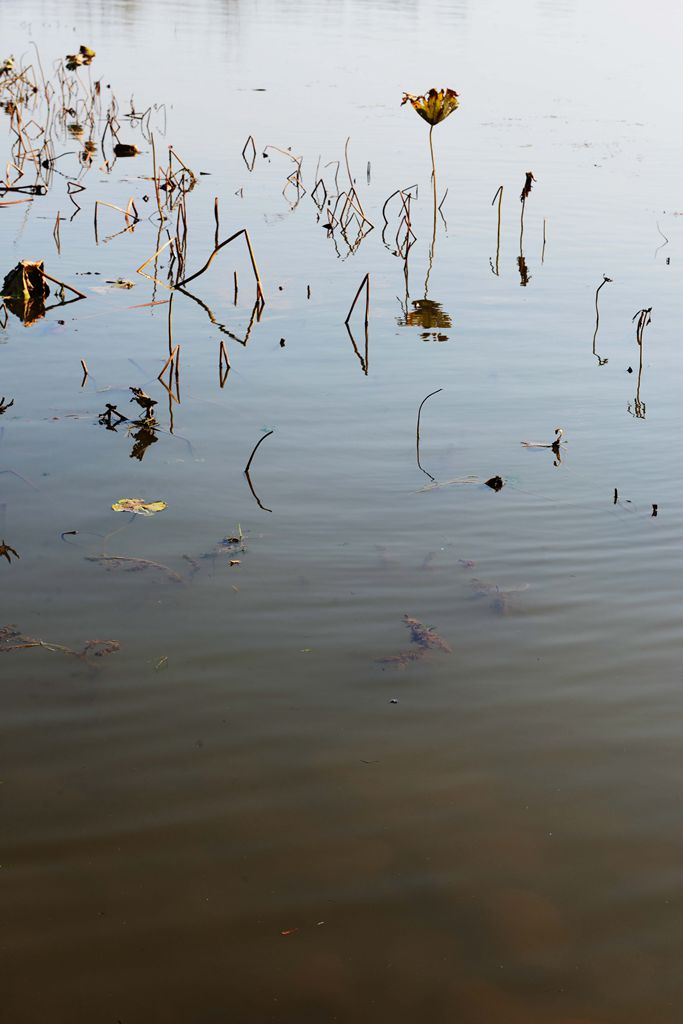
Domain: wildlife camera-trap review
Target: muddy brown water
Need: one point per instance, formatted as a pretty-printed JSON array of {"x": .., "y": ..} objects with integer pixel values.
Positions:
[{"x": 245, "y": 814}]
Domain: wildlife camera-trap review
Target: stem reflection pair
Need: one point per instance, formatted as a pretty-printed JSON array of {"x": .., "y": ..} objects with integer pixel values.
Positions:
[{"x": 434, "y": 107}]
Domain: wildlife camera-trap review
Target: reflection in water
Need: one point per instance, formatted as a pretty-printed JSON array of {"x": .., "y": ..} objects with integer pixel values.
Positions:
[
  {"x": 363, "y": 359},
  {"x": 430, "y": 316},
  {"x": 524, "y": 275},
  {"x": 145, "y": 435}
]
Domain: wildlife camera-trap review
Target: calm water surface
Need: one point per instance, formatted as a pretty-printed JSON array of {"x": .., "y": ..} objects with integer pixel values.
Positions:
[{"x": 244, "y": 814}]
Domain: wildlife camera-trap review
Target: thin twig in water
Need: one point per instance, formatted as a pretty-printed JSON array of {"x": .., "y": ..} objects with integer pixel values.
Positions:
[
  {"x": 243, "y": 231},
  {"x": 499, "y": 197},
  {"x": 246, "y": 470},
  {"x": 605, "y": 280},
  {"x": 417, "y": 432},
  {"x": 365, "y": 283}
]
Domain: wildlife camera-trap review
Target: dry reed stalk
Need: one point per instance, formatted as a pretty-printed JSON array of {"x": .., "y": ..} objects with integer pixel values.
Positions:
[
  {"x": 62, "y": 284},
  {"x": 141, "y": 268},
  {"x": 417, "y": 431},
  {"x": 246, "y": 471},
  {"x": 260, "y": 298},
  {"x": 223, "y": 364},
  {"x": 126, "y": 214},
  {"x": 365, "y": 283},
  {"x": 499, "y": 197},
  {"x": 249, "y": 162}
]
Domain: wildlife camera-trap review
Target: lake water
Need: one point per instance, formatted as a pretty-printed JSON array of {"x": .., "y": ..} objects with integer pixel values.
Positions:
[{"x": 250, "y": 812}]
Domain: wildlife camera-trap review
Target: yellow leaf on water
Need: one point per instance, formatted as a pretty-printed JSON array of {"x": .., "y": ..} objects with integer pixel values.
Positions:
[{"x": 139, "y": 506}]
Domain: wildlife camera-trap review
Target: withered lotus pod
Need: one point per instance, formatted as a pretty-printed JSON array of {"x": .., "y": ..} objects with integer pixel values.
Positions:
[
  {"x": 435, "y": 106},
  {"x": 24, "y": 291}
]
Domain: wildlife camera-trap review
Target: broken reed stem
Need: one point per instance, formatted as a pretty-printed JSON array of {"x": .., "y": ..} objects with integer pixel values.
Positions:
[
  {"x": 417, "y": 431},
  {"x": 217, "y": 219},
  {"x": 543, "y": 249},
  {"x": 246, "y": 471},
  {"x": 235, "y": 284},
  {"x": 223, "y": 364},
  {"x": 126, "y": 212},
  {"x": 62, "y": 284},
  {"x": 605, "y": 280},
  {"x": 155, "y": 179},
  {"x": 172, "y": 359},
  {"x": 499, "y": 197},
  {"x": 56, "y": 234},
  {"x": 365, "y": 283},
  {"x": 141, "y": 268},
  {"x": 351, "y": 182},
  {"x": 255, "y": 449},
  {"x": 243, "y": 231}
]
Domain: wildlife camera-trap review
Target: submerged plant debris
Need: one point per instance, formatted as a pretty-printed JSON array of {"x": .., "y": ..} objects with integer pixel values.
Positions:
[
  {"x": 129, "y": 564},
  {"x": 12, "y": 639},
  {"x": 499, "y": 597},
  {"x": 423, "y": 638}
]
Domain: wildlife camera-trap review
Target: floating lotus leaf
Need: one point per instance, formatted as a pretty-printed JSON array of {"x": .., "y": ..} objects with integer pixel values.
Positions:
[
  {"x": 435, "y": 106},
  {"x": 139, "y": 506}
]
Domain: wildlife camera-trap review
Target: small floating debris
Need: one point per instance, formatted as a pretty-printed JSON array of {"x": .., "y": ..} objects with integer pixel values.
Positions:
[{"x": 121, "y": 282}]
